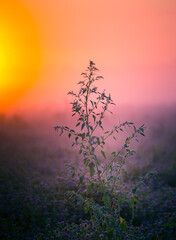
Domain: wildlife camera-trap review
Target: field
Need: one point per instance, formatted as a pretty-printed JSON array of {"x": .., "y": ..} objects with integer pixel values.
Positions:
[{"x": 34, "y": 182}]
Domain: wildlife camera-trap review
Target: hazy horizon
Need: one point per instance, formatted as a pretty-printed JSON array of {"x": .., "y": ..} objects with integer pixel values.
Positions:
[{"x": 46, "y": 45}]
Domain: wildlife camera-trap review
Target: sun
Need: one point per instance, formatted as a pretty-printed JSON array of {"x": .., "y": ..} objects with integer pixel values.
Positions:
[{"x": 19, "y": 51}]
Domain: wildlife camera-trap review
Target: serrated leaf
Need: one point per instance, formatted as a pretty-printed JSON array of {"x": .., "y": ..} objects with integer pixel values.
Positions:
[
  {"x": 141, "y": 129},
  {"x": 106, "y": 199},
  {"x": 92, "y": 103},
  {"x": 86, "y": 161},
  {"x": 99, "y": 188},
  {"x": 98, "y": 164},
  {"x": 83, "y": 125},
  {"x": 91, "y": 128},
  {"x": 103, "y": 153},
  {"x": 91, "y": 169},
  {"x": 82, "y": 135},
  {"x": 81, "y": 82},
  {"x": 81, "y": 179},
  {"x": 113, "y": 153},
  {"x": 106, "y": 132},
  {"x": 89, "y": 188},
  {"x": 98, "y": 140},
  {"x": 77, "y": 124},
  {"x": 80, "y": 119}
]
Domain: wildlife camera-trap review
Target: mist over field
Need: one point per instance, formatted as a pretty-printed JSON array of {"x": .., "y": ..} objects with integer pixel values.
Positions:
[
  {"x": 36, "y": 131},
  {"x": 34, "y": 180}
]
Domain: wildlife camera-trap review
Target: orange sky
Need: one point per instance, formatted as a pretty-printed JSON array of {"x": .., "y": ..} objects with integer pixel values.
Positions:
[{"x": 132, "y": 42}]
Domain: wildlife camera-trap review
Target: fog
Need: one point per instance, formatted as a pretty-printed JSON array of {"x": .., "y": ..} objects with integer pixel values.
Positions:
[{"x": 34, "y": 134}]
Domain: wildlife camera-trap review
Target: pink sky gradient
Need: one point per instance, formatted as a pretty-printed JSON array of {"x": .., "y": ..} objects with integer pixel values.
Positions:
[{"x": 132, "y": 42}]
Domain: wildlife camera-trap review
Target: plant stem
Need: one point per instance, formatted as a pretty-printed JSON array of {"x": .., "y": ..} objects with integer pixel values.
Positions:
[{"x": 88, "y": 128}]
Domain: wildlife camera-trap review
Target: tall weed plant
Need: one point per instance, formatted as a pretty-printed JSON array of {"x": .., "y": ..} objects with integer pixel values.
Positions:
[{"x": 101, "y": 188}]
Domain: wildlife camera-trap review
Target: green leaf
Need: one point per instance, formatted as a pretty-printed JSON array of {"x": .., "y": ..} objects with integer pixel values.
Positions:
[
  {"x": 69, "y": 135},
  {"x": 82, "y": 126},
  {"x": 141, "y": 129},
  {"x": 98, "y": 140},
  {"x": 81, "y": 82},
  {"x": 94, "y": 118},
  {"x": 81, "y": 179},
  {"x": 91, "y": 128},
  {"x": 135, "y": 199},
  {"x": 123, "y": 226},
  {"x": 106, "y": 199},
  {"x": 98, "y": 164},
  {"x": 103, "y": 153},
  {"x": 89, "y": 188},
  {"x": 91, "y": 168},
  {"x": 86, "y": 208},
  {"x": 80, "y": 119},
  {"x": 134, "y": 190},
  {"x": 77, "y": 124},
  {"x": 99, "y": 188},
  {"x": 113, "y": 153},
  {"x": 86, "y": 161},
  {"x": 82, "y": 135},
  {"x": 92, "y": 103}
]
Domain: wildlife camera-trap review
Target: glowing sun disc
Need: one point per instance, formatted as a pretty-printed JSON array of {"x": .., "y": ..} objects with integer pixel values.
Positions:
[{"x": 19, "y": 51}]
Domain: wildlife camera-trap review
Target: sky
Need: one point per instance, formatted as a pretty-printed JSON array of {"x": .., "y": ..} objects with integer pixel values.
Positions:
[{"x": 46, "y": 45}]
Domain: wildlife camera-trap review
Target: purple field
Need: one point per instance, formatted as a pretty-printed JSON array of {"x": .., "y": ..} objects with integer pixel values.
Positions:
[{"x": 33, "y": 179}]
